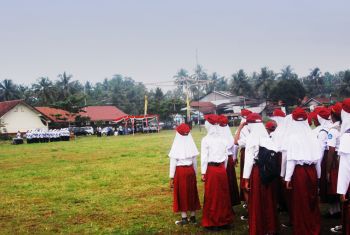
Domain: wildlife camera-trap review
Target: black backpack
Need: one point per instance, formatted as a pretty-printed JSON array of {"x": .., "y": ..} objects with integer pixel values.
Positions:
[{"x": 268, "y": 165}]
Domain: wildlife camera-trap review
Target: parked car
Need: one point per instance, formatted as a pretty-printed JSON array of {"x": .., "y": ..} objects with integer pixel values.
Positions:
[
  {"x": 88, "y": 129},
  {"x": 79, "y": 131},
  {"x": 108, "y": 131}
]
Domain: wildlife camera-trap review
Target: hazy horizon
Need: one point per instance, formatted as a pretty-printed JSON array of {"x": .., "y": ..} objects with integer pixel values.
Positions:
[{"x": 150, "y": 41}]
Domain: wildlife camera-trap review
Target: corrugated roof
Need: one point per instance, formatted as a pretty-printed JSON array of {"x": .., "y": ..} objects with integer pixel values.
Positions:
[
  {"x": 102, "y": 113},
  {"x": 8, "y": 105},
  {"x": 56, "y": 115}
]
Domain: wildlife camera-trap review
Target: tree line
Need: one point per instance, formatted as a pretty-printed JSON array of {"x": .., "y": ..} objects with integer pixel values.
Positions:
[{"x": 128, "y": 95}]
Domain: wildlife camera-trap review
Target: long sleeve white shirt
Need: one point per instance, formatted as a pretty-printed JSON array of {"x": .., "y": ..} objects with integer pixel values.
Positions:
[
  {"x": 243, "y": 137},
  {"x": 291, "y": 166},
  {"x": 344, "y": 174},
  {"x": 182, "y": 162},
  {"x": 213, "y": 149}
]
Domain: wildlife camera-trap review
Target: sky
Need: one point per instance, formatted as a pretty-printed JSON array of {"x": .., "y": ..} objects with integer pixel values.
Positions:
[{"x": 151, "y": 40}]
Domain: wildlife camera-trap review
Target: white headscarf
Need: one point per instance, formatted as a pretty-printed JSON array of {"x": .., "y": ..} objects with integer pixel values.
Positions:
[
  {"x": 344, "y": 146},
  {"x": 281, "y": 132},
  {"x": 183, "y": 147},
  {"x": 324, "y": 123},
  {"x": 302, "y": 144},
  {"x": 211, "y": 129},
  {"x": 227, "y": 135},
  {"x": 258, "y": 136}
]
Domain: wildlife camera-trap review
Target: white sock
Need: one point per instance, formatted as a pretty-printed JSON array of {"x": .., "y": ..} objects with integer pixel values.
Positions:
[
  {"x": 193, "y": 213},
  {"x": 183, "y": 214}
]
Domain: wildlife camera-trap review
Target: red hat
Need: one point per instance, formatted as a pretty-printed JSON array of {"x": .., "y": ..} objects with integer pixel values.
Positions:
[
  {"x": 271, "y": 125},
  {"x": 183, "y": 129},
  {"x": 324, "y": 113},
  {"x": 254, "y": 118},
  {"x": 223, "y": 121},
  {"x": 299, "y": 114},
  {"x": 211, "y": 118},
  {"x": 245, "y": 112},
  {"x": 336, "y": 109},
  {"x": 346, "y": 105},
  {"x": 278, "y": 113}
]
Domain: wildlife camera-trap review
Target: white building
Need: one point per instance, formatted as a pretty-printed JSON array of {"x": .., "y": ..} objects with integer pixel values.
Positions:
[{"x": 17, "y": 115}]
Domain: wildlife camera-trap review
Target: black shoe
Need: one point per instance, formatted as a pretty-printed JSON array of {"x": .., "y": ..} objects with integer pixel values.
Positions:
[
  {"x": 244, "y": 218},
  {"x": 193, "y": 220},
  {"x": 182, "y": 222}
]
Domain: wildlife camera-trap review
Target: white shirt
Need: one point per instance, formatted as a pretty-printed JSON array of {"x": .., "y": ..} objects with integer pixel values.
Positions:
[
  {"x": 182, "y": 162},
  {"x": 213, "y": 149},
  {"x": 243, "y": 137},
  {"x": 344, "y": 173},
  {"x": 334, "y": 136},
  {"x": 252, "y": 153},
  {"x": 322, "y": 135}
]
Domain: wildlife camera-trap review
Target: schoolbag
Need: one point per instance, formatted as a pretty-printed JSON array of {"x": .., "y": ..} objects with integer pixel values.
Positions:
[{"x": 268, "y": 165}]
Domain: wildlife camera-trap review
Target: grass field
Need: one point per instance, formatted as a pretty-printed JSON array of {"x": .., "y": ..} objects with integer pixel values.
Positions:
[{"x": 93, "y": 185}]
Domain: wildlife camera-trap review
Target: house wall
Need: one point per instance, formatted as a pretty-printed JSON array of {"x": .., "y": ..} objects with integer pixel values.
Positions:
[{"x": 21, "y": 118}]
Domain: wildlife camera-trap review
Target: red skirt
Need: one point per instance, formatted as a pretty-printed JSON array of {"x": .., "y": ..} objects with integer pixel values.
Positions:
[
  {"x": 217, "y": 210},
  {"x": 346, "y": 217},
  {"x": 323, "y": 179},
  {"x": 305, "y": 204},
  {"x": 262, "y": 208},
  {"x": 333, "y": 179},
  {"x": 185, "y": 190},
  {"x": 241, "y": 167},
  {"x": 232, "y": 182}
]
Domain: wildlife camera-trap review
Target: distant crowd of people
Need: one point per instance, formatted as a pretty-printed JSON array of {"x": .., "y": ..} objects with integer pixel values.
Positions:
[
  {"x": 45, "y": 136},
  {"x": 285, "y": 164}
]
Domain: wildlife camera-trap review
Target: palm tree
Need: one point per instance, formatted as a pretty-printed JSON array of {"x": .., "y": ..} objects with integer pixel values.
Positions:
[
  {"x": 180, "y": 76},
  {"x": 44, "y": 90},
  {"x": 64, "y": 84},
  {"x": 239, "y": 84},
  {"x": 264, "y": 82},
  {"x": 8, "y": 90},
  {"x": 288, "y": 73}
]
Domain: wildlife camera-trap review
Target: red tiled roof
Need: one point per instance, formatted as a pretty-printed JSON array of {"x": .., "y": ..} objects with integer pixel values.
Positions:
[
  {"x": 56, "y": 115},
  {"x": 201, "y": 104},
  {"x": 8, "y": 105},
  {"x": 102, "y": 113}
]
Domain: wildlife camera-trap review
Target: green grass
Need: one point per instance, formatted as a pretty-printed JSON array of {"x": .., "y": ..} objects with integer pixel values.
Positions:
[{"x": 92, "y": 185}]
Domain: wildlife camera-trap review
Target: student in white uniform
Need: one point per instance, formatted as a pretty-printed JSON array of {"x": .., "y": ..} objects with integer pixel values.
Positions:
[
  {"x": 262, "y": 206},
  {"x": 344, "y": 165},
  {"x": 240, "y": 140},
  {"x": 217, "y": 209},
  {"x": 332, "y": 161},
  {"x": 323, "y": 117},
  {"x": 232, "y": 160},
  {"x": 183, "y": 168},
  {"x": 304, "y": 154}
]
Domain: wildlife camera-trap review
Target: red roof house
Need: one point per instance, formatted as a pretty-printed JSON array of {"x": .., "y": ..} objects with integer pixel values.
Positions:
[
  {"x": 56, "y": 115},
  {"x": 102, "y": 113}
]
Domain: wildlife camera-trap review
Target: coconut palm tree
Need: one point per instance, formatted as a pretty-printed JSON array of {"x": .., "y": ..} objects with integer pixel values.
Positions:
[
  {"x": 64, "y": 84},
  {"x": 264, "y": 82},
  {"x": 44, "y": 90},
  {"x": 239, "y": 84},
  {"x": 8, "y": 90}
]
